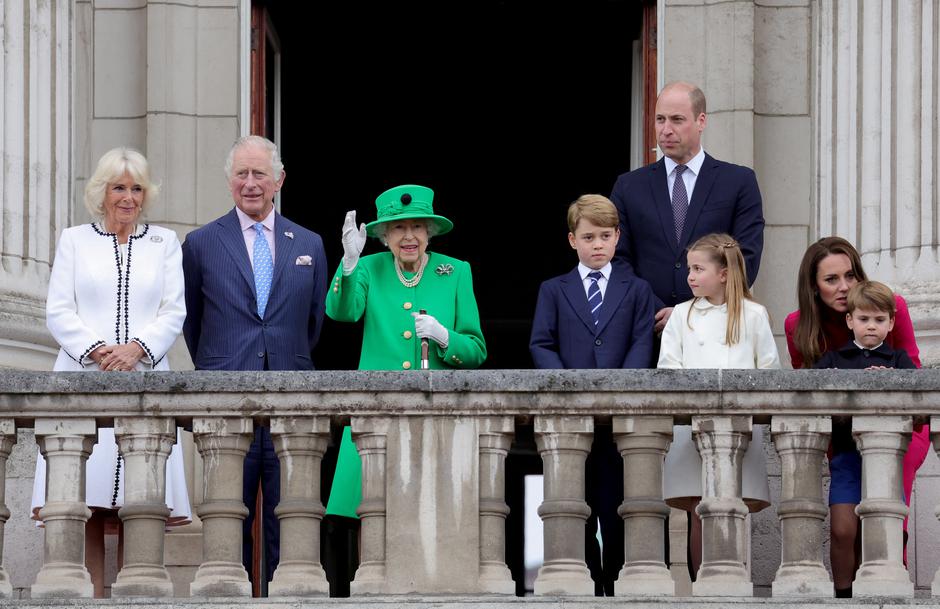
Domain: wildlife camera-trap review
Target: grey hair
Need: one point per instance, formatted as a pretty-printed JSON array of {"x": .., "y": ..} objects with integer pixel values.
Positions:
[
  {"x": 261, "y": 142},
  {"x": 381, "y": 231},
  {"x": 112, "y": 165}
]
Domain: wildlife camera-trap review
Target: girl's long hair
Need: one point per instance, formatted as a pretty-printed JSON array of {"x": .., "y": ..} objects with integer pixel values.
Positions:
[
  {"x": 724, "y": 251},
  {"x": 809, "y": 338}
]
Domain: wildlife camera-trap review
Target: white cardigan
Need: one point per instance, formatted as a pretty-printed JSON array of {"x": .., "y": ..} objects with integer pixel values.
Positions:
[
  {"x": 703, "y": 344},
  {"x": 96, "y": 298}
]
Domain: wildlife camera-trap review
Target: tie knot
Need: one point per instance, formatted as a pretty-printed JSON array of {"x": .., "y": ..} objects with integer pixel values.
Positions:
[
  {"x": 680, "y": 169},
  {"x": 258, "y": 226},
  {"x": 596, "y": 275}
]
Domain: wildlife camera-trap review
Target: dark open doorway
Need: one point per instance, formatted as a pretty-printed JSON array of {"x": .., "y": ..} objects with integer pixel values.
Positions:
[{"x": 508, "y": 109}]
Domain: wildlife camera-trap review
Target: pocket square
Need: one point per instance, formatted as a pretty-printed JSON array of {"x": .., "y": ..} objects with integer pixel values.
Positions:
[{"x": 304, "y": 260}]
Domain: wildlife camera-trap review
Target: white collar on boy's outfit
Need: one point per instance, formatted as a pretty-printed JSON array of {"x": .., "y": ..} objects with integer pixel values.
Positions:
[
  {"x": 601, "y": 283},
  {"x": 689, "y": 176},
  {"x": 868, "y": 348}
]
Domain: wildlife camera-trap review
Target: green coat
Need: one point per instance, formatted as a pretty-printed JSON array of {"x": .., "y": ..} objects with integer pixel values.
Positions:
[
  {"x": 388, "y": 341},
  {"x": 373, "y": 290}
]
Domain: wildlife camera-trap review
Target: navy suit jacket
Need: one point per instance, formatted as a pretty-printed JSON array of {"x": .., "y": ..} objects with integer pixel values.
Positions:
[
  {"x": 222, "y": 329},
  {"x": 564, "y": 334},
  {"x": 726, "y": 199}
]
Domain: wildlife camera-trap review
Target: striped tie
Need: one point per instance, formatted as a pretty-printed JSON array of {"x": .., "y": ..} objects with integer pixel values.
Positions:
[{"x": 595, "y": 299}]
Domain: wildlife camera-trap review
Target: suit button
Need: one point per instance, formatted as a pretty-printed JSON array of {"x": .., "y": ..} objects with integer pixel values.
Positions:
[
  {"x": 865, "y": 353},
  {"x": 598, "y": 342},
  {"x": 678, "y": 265},
  {"x": 406, "y": 333},
  {"x": 673, "y": 294},
  {"x": 407, "y": 306},
  {"x": 406, "y": 365},
  {"x": 260, "y": 353}
]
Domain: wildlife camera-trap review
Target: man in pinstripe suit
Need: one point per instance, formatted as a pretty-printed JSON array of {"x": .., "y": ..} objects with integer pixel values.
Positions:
[{"x": 254, "y": 305}]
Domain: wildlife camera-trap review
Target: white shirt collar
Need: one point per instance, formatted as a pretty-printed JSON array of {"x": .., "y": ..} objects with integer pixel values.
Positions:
[
  {"x": 584, "y": 270},
  {"x": 702, "y": 304},
  {"x": 246, "y": 222},
  {"x": 868, "y": 348},
  {"x": 694, "y": 165}
]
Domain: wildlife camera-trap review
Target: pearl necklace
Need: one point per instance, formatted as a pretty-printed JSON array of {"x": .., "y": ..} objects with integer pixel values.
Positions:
[{"x": 410, "y": 283}]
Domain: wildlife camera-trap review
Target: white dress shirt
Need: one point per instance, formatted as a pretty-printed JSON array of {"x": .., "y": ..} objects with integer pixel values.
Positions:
[
  {"x": 689, "y": 176},
  {"x": 587, "y": 281},
  {"x": 249, "y": 232}
]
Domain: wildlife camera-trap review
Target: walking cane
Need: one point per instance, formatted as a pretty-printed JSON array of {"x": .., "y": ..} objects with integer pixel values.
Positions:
[{"x": 424, "y": 347}]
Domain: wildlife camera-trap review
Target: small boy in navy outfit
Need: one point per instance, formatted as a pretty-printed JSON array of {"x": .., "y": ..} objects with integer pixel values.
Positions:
[
  {"x": 597, "y": 316},
  {"x": 870, "y": 316}
]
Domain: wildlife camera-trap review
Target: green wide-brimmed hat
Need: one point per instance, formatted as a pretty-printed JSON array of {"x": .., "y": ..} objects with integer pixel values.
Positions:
[{"x": 407, "y": 202}]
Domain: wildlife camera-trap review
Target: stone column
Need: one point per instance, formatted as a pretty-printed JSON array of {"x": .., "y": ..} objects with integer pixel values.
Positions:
[
  {"x": 876, "y": 147},
  {"x": 495, "y": 439},
  {"x": 564, "y": 443},
  {"x": 882, "y": 442},
  {"x": 371, "y": 437},
  {"x": 35, "y": 130},
  {"x": 643, "y": 442},
  {"x": 145, "y": 444},
  {"x": 65, "y": 444},
  {"x": 801, "y": 443},
  {"x": 7, "y": 440},
  {"x": 223, "y": 443},
  {"x": 722, "y": 441},
  {"x": 300, "y": 443}
]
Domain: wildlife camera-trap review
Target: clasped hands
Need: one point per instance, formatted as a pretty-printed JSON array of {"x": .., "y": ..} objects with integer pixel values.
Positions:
[{"x": 117, "y": 357}]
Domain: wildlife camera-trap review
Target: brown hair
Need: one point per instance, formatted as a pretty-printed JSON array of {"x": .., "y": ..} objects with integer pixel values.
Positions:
[
  {"x": 724, "y": 251},
  {"x": 871, "y": 296},
  {"x": 809, "y": 338},
  {"x": 596, "y": 209}
]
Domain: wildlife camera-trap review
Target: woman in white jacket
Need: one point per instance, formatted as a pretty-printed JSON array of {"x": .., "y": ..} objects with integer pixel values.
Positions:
[
  {"x": 722, "y": 327},
  {"x": 115, "y": 303}
]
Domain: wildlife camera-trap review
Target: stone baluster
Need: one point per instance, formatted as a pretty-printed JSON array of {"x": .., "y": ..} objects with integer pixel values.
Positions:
[
  {"x": 371, "y": 437},
  {"x": 722, "y": 441},
  {"x": 801, "y": 443},
  {"x": 882, "y": 440},
  {"x": 935, "y": 437},
  {"x": 643, "y": 442},
  {"x": 65, "y": 444},
  {"x": 7, "y": 440},
  {"x": 564, "y": 443},
  {"x": 223, "y": 443},
  {"x": 145, "y": 444},
  {"x": 300, "y": 443},
  {"x": 495, "y": 439}
]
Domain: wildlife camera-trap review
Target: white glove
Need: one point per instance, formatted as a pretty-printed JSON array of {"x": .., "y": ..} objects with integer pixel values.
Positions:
[
  {"x": 353, "y": 242},
  {"x": 428, "y": 327}
]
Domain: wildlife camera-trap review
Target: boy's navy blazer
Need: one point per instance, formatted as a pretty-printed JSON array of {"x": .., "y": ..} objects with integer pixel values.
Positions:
[
  {"x": 222, "y": 329},
  {"x": 726, "y": 199},
  {"x": 564, "y": 334},
  {"x": 851, "y": 357}
]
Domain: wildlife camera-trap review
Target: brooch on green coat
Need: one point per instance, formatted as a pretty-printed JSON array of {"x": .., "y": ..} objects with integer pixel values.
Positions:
[{"x": 444, "y": 269}]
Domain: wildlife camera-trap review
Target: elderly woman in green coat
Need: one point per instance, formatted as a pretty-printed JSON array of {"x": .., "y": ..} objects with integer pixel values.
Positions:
[{"x": 404, "y": 295}]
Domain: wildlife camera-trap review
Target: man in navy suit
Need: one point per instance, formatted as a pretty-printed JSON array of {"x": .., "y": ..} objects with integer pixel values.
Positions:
[
  {"x": 658, "y": 221},
  {"x": 255, "y": 293},
  {"x": 599, "y": 315}
]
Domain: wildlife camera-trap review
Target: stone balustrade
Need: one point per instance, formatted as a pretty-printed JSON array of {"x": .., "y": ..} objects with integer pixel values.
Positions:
[{"x": 434, "y": 446}]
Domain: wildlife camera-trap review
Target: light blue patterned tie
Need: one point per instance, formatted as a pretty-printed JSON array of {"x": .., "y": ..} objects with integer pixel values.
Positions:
[
  {"x": 595, "y": 299},
  {"x": 264, "y": 268}
]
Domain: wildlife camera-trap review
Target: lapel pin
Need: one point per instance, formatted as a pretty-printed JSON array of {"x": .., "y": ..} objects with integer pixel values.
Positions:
[
  {"x": 156, "y": 238},
  {"x": 288, "y": 234}
]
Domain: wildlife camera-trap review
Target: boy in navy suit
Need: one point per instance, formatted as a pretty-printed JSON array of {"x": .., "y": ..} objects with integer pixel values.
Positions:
[
  {"x": 870, "y": 317},
  {"x": 596, "y": 316}
]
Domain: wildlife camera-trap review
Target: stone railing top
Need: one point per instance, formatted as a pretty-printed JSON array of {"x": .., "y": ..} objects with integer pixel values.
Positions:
[{"x": 25, "y": 395}]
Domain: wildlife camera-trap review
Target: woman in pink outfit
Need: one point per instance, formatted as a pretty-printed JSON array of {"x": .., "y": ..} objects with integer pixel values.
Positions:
[{"x": 830, "y": 267}]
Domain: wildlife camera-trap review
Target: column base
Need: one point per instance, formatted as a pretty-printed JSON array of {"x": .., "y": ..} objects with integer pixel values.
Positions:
[
  {"x": 812, "y": 586},
  {"x": 893, "y": 586},
  {"x": 564, "y": 578},
  {"x": 496, "y": 579},
  {"x": 154, "y": 589},
  {"x": 299, "y": 578},
  {"x": 722, "y": 587},
  {"x": 62, "y": 581},
  {"x": 370, "y": 579},
  {"x": 649, "y": 579},
  {"x": 221, "y": 579}
]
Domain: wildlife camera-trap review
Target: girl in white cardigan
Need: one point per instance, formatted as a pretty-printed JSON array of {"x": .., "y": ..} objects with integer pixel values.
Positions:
[{"x": 722, "y": 327}]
